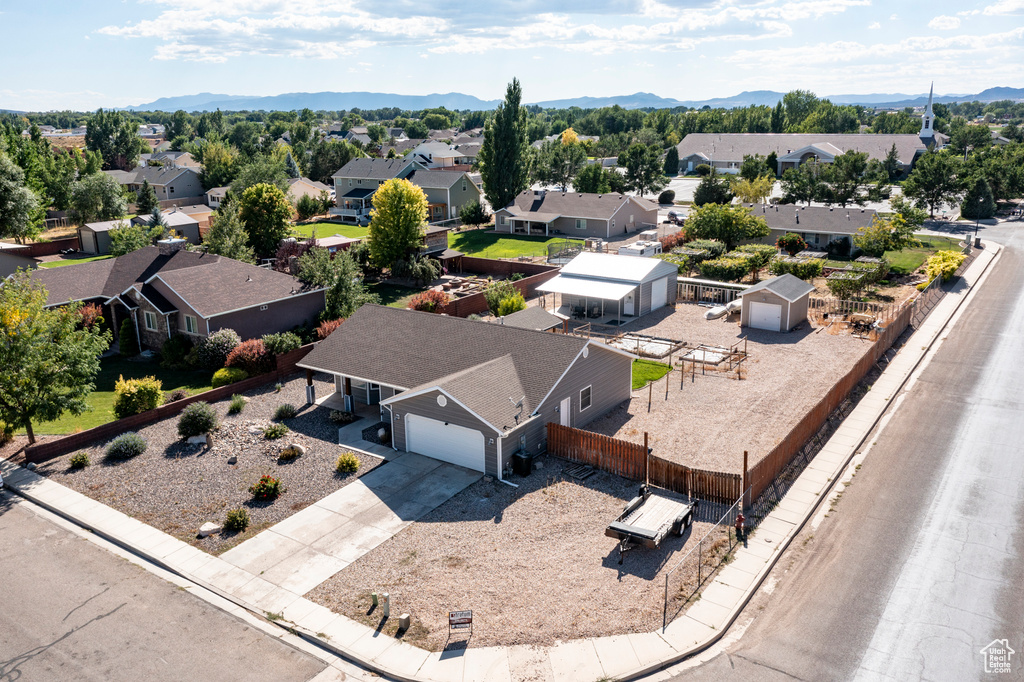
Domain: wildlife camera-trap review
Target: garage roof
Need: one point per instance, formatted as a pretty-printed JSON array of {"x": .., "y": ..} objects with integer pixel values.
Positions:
[
  {"x": 578, "y": 286},
  {"x": 610, "y": 266},
  {"x": 787, "y": 286}
]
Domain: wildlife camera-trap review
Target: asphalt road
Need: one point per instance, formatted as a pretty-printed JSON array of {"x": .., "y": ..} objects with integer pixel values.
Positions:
[
  {"x": 921, "y": 563},
  {"x": 70, "y": 610}
]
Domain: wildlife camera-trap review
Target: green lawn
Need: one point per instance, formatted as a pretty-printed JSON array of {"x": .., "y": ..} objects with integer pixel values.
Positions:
[
  {"x": 72, "y": 261},
  {"x": 102, "y": 399},
  {"x": 493, "y": 245},
  {"x": 906, "y": 261},
  {"x": 646, "y": 371},
  {"x": 392, "y": 294},
  {"x": 327, "y": 229}
]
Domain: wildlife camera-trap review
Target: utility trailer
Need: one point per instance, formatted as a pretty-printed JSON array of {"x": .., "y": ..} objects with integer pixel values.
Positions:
[{"x": 649, "y": 518}]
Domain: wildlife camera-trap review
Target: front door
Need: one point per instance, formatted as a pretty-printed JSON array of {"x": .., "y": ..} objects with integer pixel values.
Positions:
[
  {"x": 627, "y": 304},
  {"x": 565, "y": 411}
]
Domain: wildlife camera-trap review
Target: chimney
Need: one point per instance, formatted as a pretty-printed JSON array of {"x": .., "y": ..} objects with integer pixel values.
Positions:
[{"x": 171, "y": 245}]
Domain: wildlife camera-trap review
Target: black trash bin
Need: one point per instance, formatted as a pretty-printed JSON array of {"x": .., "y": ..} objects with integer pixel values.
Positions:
[{"x": 521, "y": 464}]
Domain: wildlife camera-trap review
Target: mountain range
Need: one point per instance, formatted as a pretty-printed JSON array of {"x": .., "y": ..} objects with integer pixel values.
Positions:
[{"x": 455, "y": 100}]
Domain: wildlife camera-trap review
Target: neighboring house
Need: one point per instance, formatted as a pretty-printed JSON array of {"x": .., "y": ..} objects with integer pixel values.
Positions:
[
  {"x": 447, "y": 192},
  {"x": 183, "y": 224},
  {"x": 300, "y": 187},
  {"x": 470, "y": 150},
  {"x": 215, "y": 196},
  {"x": 778, "y": 304},
  {"x": 201, "y": 213},
  {"x": 447, "y": 134},
  {"x": 818, "y": 225},
  {"x": 578, "y": 215},
  {"x": 336, "y": 242},
  {"x": 167, "y": 290},
  {"x": 174, "y": 159},
  {"x": 14, "y": 257},
  {"x": 168, "y": 183},
  {"x": 469, "y": 392},
  {"x": 358, "y": 179},
  {"x": 401, "y": 147},
  {"x": 437, "y": 155},
  {"x": 606, "y": 288}
]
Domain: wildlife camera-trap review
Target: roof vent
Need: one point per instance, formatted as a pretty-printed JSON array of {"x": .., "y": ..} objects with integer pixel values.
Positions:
[
  {"x": 248, "y": 278},
  {"x": 829, "y": 209}
]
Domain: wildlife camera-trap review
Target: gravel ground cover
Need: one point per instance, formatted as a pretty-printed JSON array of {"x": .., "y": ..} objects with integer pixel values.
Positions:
[
  {"x": 177, "y": 487},
  {"x": 533, "y": 563},
  {"x": 713, "y": 419}
]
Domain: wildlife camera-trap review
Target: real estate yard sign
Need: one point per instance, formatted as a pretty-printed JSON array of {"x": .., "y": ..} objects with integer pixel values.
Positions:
[{"x": 460, "y": 620}]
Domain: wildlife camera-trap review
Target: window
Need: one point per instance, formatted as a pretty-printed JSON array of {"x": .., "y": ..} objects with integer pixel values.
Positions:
[
  {"x": 613, "y": 224},
  {"x": 585, "y": 397},
  {"x": 191, "y": 325},
  {"x": 463, "y": 185},
  {"x": 504, "y": 220},
  {"x": 350, "y": 182},
  {"x": 581, "y": 224},
  {"x": 150, "y": 321},
  {"x": 359, "y": 182}
]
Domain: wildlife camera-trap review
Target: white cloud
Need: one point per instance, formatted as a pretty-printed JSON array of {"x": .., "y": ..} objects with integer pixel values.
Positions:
[
  {"x": 875, "y": 26},
  {"x": 944, "y": 23},
  {"x": 1005, "y": 7}
]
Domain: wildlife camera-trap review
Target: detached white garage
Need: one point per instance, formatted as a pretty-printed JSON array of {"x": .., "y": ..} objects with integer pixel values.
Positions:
[
  {"x": 778, "y": 304},
  {"x": 445, "y": 441}
]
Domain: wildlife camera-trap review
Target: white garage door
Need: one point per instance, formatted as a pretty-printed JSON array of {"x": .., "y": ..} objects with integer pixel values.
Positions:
[
  {"x": 766, "y": 316},
  {"x": 451, "y": 443},
  {"x": 659, "y": 293}
]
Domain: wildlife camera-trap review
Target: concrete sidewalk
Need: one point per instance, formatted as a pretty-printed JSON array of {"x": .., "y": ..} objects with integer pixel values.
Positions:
[{"x": 617, "y": 657}]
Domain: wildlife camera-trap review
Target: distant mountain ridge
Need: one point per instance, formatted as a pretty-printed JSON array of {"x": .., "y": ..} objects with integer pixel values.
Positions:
[{"x": 457, "y": 100}]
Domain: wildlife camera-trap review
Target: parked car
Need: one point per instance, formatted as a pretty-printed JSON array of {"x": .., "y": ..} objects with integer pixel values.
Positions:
[{"x": 675, "y": 217}]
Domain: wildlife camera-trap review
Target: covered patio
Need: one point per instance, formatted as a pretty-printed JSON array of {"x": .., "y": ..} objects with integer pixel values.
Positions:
[
  {"x": 536, "y": 224},
  {"x": 609, "y": 303}
]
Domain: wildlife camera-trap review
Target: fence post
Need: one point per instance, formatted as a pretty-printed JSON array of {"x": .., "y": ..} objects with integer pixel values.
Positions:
[
  {"x": 650, "y": 394},
  {"x": 746, "y": 484},
  {"x": 647, "y": 461}
]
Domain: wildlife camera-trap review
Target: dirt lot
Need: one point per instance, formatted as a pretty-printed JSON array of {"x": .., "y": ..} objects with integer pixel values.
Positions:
[
  {"x": 711, "y": 421},
  {"x": 177, "y": 487},
  {"x": 533, "y": 564}
]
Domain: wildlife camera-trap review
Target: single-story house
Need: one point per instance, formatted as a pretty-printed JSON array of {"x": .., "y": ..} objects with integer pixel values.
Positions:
[
  {"x": 183, "y": 224},
  {"x": 818, "y": 225},
  {"x": 167, "y": 290},
  {"x": 300, "y": 187},
  {"x": 607, "y": 288},
  {"x": 778, "y": 304},
  {"x": 14, "y": 257},
  {"x": 475, "y": 402},
  {"x": 575, "y": 214},
  {"x": 447, "y": 192},
  {"x": 216, "y": 195},
  {"x": 725, "y": 151},
  {"x": 168, "y": 182},
  {"x": 534, "y": 317}
]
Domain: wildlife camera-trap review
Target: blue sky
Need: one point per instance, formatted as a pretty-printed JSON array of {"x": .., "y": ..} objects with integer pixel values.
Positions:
[{"x": 92, "y": 53}]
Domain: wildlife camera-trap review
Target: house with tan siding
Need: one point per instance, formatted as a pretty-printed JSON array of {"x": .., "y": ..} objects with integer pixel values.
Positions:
[{"x": 572, "y": 214}]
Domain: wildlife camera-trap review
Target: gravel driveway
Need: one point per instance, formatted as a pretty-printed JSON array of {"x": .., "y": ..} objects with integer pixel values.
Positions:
[{"x": 177, "y": 487}]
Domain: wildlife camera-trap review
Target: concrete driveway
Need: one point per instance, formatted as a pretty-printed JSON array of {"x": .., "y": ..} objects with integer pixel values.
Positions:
[{"x": 309, "y": 547}]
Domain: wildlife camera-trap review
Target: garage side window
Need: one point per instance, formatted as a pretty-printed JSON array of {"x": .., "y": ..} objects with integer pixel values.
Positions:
[{"x": 585, "y": 397}]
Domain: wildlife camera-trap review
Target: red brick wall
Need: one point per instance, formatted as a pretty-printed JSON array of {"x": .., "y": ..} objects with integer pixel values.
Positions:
[
  {"x": 475, "y": 304},
  {"x": 49, "y": 248}
]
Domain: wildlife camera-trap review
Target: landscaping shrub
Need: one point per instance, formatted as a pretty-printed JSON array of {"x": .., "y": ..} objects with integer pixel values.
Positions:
[
  {"x": 511, "y": 304},
  {"x": 126, "y": 446},
  {"x": 237, "y": 404},
  {"x": 132, "y": 396},
  {"x": 495, "y": 292},
  {"x": 844, "y": 288},
  {"x": 671, "y": 241},
  {"x": 943, "y": 264},
  {"x": 474, "y": 214},
  {"x": 275, "y": 431},
  {"x": 213, "y": 352},
  {"x": 791, "y": 243},
  {"x": 431, "y": 301},
  {"x": 760, "y": 256},
  {"x": 79, "y": 460},
  {"x": 6, "y": 433},
  {"x": 347, "y": 463},
  {"x": 516, "y": 276},
  {"x": 342, "y": 417},
  {"x": 127, "y": 343},
  {"x": 197, "y": 419},
  {"x": 838, "y": 249},
  {"x": 667, "y": 197},
  {"x": 175, "y": 351},
  {"x": 679, "y": 260},
  {"x": 713, "y": 247},
  {"x": 305, "y": 332},
  {"x": 237, "y": 520},
  {"x": 228, "y": 375},
  {"x": 702, "y": 169},
  {"x": 176, "y": 395},
  {"x": 725, "y": 269},
  {"x": 276, "y": 344},
  {"x": 804, "y": 269},
  {"x": 285, "y": 411},
  {"x": 252, "y": 357},
  {"x": 326, "y": 327},
  {"x": 90, "y": 314},
  {"x": 267, "y": 488}
]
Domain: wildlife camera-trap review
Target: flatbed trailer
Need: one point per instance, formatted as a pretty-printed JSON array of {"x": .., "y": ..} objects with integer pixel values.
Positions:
[{"x": 649, "y": 518}]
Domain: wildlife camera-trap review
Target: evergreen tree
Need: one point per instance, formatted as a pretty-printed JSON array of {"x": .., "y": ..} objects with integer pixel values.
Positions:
[
  {"x": 892, "y": 164},
  {"x": 712, "y": 190},
  {"x": 291, "y": 168},
  {"x": 227, "y": 236},
  {"x": 147, "y": 201},
  {"x": 672, "y": 161},
  {"x": 504, "y": 154},
  {"x": 978, "y": 203},
  {"x": 778, "y": 121}
]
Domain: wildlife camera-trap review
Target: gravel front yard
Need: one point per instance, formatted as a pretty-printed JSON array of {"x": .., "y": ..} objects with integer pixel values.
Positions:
[
  {"x": 711, "y": 421},
  {"x": 533, "y": 563},
  {"x": 177, "y": 487}
]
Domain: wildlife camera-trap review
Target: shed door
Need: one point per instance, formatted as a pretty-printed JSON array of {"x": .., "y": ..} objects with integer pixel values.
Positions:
[
  {"x": 766, "y": 316},
  {"x": 627, "y": 304},
  {"x": 659, "y": 293},
  {"x": 448, "y": 443}
]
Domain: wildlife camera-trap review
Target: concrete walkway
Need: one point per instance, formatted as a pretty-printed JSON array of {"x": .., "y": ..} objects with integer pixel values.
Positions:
[
  {"x": 310, "y": 546},
  {"x": 617, "y": 657}
]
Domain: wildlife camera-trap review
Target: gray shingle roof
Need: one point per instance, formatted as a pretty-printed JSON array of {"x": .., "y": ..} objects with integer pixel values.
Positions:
[
  {"x": 816, "y": 219},
  {"x": 734, "y": 146},
  {"x": 479, "y": 361},
  {"x": 533, "y": 317},
  {"x": 570, "y": 204},
  {"x": 787, "y": 286},
  {"x": 373, "y": 169},
  {"x": 156, "y": 175},
  {"x": 435, "y": 179}
]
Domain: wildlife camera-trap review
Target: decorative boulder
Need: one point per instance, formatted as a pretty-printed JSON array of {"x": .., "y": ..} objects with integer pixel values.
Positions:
[
  {"x": 209, "y": 528},
  {"x": 232, "y": 460},
  {"x": 292, "y": 451},
  {"x": 197, "y": 440}
]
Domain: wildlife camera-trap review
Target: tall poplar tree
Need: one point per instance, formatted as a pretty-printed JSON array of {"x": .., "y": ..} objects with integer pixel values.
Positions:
[{"x": 504, "y": 155}]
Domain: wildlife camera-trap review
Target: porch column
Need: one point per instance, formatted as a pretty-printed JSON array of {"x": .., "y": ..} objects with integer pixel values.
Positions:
[
  {"x": 547, "y": 226},
  {"x": 310, "y": 388},
  {"x": 350, "y": 405}
]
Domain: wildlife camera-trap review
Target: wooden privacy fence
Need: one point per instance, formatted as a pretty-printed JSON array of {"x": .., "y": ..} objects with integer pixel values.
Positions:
[
  {"x": 884, "y": 312},
  {"x": 627, "y": 459}
]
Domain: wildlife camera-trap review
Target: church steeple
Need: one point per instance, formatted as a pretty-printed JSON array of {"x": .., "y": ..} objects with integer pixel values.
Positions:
[{"x": 928, "y": 119}]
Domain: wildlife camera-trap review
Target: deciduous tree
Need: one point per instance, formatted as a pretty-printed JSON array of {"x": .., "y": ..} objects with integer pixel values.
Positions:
[
  {"x": 115, "y": 136},
  {"x": 644, "y": 169},
  {"x": 97, "y": 197},
  {"x": 20, "y": 214},
  {"x": 397, "y": 221},
  {"x": 935, "y": 180},
  {"x": 227, "y": 236},
  {"x": 265, "y": 211},
  {"x": 339, "y": 274},
  {"x": 727, "y": 224}
]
